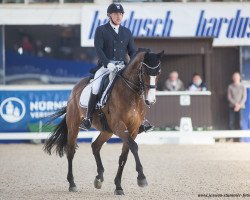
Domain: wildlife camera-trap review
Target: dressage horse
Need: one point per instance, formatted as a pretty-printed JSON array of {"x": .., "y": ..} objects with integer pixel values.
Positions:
[{"x": 125, "y": 110}]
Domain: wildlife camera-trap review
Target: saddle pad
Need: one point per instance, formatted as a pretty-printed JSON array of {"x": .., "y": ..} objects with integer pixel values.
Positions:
[
  {"x": 85, "y": 95},
  {"x": 84, "y": 98}
]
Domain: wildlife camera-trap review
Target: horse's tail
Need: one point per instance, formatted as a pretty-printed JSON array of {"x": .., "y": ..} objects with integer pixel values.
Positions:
[{"x": 58, "y": 136}]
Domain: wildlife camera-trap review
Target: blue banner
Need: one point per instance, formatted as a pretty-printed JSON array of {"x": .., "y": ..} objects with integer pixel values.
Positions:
[
  {"x": 2, "y": 67},
  {"x": 26, "y": 66},
  {"x": 245, "y": 121},
  {"x": 20, "y": 110},
  {"x": 245, "y": 62}
]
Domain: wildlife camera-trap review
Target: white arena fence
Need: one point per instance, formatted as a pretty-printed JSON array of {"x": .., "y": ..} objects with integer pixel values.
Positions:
[{"x": 153, "y": 137}]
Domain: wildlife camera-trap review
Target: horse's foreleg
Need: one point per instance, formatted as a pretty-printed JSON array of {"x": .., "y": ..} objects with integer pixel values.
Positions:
[
  {"x": 96, "y": 147},
  {"x": 141, "y": 179},
  {"x": 122, "y": 162}
]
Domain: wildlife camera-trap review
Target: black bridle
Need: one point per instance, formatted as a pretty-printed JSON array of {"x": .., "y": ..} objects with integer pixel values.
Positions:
[
  {"x": 139, "y": 88},
  {"x": 141, "y": 73}
]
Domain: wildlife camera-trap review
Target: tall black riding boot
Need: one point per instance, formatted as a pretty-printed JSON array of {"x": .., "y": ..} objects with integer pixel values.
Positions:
[
  {"x": 86, "y": 122},
  {"x": 145, "y": 127}
]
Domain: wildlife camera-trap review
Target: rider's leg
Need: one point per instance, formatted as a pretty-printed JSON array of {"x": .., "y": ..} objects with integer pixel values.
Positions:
[
  {"x": 86, "y": 122},
  {"x": 146, "y": 126}
]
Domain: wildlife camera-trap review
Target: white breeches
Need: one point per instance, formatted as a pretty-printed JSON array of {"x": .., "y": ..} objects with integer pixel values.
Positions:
[{"x": 98, "y": 79}]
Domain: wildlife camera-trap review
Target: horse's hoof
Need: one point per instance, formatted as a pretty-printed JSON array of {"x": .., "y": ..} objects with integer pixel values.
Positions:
[
  {"x": 98, "y": 183},
  {"x": 73, "y": 189},
  {"x": 142, "y": 182},
  {"x": 119, "y": 192}
]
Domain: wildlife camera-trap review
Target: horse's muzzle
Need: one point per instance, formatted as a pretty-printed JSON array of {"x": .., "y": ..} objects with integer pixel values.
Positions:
[{"x": 149, "y": 103}]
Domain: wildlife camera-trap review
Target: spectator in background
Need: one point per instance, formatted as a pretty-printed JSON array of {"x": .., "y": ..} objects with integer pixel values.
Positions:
[
  {"x": 173, "y": 83},
  {"x": 197, "y": 84},
  {"x": 40, "y": 48},
  {"x": 26, "y": 45},
  {"x": 66, "y": 43},
  {"x": 236, "y": 95}
]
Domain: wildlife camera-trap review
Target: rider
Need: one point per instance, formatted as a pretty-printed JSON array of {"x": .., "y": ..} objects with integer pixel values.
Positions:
[{"x": 112, "y": 42}]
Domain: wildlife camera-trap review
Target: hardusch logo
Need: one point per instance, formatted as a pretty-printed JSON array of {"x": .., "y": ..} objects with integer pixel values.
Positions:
[
  {"x": 12, "y": 110},
  {"x": 147, "y": 27},
  {"x": 236, "y": 27}
]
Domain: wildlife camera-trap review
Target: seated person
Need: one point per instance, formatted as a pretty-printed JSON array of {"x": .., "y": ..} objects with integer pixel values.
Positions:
[
  {"x": 197, "y": 84},
  {"x": 173, "y": 83}
]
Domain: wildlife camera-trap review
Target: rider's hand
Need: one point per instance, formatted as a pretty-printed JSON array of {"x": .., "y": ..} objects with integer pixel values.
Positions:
[{"x": 111, "y": 67}]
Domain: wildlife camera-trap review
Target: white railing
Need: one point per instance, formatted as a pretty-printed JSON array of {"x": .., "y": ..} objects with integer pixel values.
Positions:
[
  {"x": 154, "y": 137},
  {"x": 179, "y": 93}
]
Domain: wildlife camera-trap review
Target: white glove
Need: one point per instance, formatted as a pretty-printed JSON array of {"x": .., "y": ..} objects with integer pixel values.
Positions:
[{"x": 111, "y": 67}]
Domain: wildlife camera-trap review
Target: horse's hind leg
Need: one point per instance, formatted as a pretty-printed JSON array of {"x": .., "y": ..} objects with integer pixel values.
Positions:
[
  {"x": 70, "y": 177},
  {"x": 96, "y": 147},
  {"x": 122, "y": 162},
  {"x": 71, "y": 147},
  {"x": 141, "y": 179}
]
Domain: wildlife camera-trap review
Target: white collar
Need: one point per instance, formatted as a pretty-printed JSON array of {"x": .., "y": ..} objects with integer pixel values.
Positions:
[{"x": 116, "y": 27}]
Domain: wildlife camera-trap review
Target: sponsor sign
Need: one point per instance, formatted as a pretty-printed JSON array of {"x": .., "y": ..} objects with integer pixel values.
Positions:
[
  {"x": 228, "y": 24},
  {"x": 19, "y": 109}
]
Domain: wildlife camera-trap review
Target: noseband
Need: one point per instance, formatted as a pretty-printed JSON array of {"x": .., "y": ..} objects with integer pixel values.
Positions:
[
  {"x": 139, "y": 89},
  {"x": 143, "y": 85}
]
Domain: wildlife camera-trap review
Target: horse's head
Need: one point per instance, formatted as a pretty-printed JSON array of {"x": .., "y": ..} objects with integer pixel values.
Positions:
[{"x": 149, "y": 71}]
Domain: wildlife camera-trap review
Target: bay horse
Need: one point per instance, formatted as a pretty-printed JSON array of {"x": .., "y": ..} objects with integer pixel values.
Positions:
[{"x": 125, "y": 110}]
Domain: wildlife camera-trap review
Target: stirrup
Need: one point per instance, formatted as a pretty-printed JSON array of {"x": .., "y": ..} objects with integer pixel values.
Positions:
[{"x": 85, "y": 124}]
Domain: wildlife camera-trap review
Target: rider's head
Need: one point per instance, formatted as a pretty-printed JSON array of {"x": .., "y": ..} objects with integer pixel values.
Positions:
[{"x": 115, "y": 13}]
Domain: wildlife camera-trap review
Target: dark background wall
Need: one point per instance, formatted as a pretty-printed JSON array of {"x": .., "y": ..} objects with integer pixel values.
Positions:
[{"x": 224, "y": 62}]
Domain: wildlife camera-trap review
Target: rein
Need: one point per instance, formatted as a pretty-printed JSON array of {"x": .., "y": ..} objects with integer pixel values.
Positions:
[{"x": 131, "y": 84}]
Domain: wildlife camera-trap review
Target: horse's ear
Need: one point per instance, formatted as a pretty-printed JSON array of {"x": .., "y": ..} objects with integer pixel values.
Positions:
[
  {"x": 143, "y": 50},
  {"x": 159, "y": 55},
  {"x": 146, "y": 54}
]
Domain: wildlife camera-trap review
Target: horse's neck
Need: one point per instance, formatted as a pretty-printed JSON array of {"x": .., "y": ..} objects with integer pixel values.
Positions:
[
  {"x": 131, "y": 74},
  {"x": 132, "y": 70},
  {"x": 130, "y": 86}
]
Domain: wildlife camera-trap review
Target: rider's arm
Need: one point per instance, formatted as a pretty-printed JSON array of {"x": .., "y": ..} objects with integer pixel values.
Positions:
[
  {"x": 99, "y": 47},
  {"x": 131, "y": 46}
]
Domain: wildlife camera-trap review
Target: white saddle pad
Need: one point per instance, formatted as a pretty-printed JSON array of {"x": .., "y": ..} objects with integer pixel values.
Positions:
[
  {"x": 85, "y": 95},
  {"x": 84, "y": 98}
]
